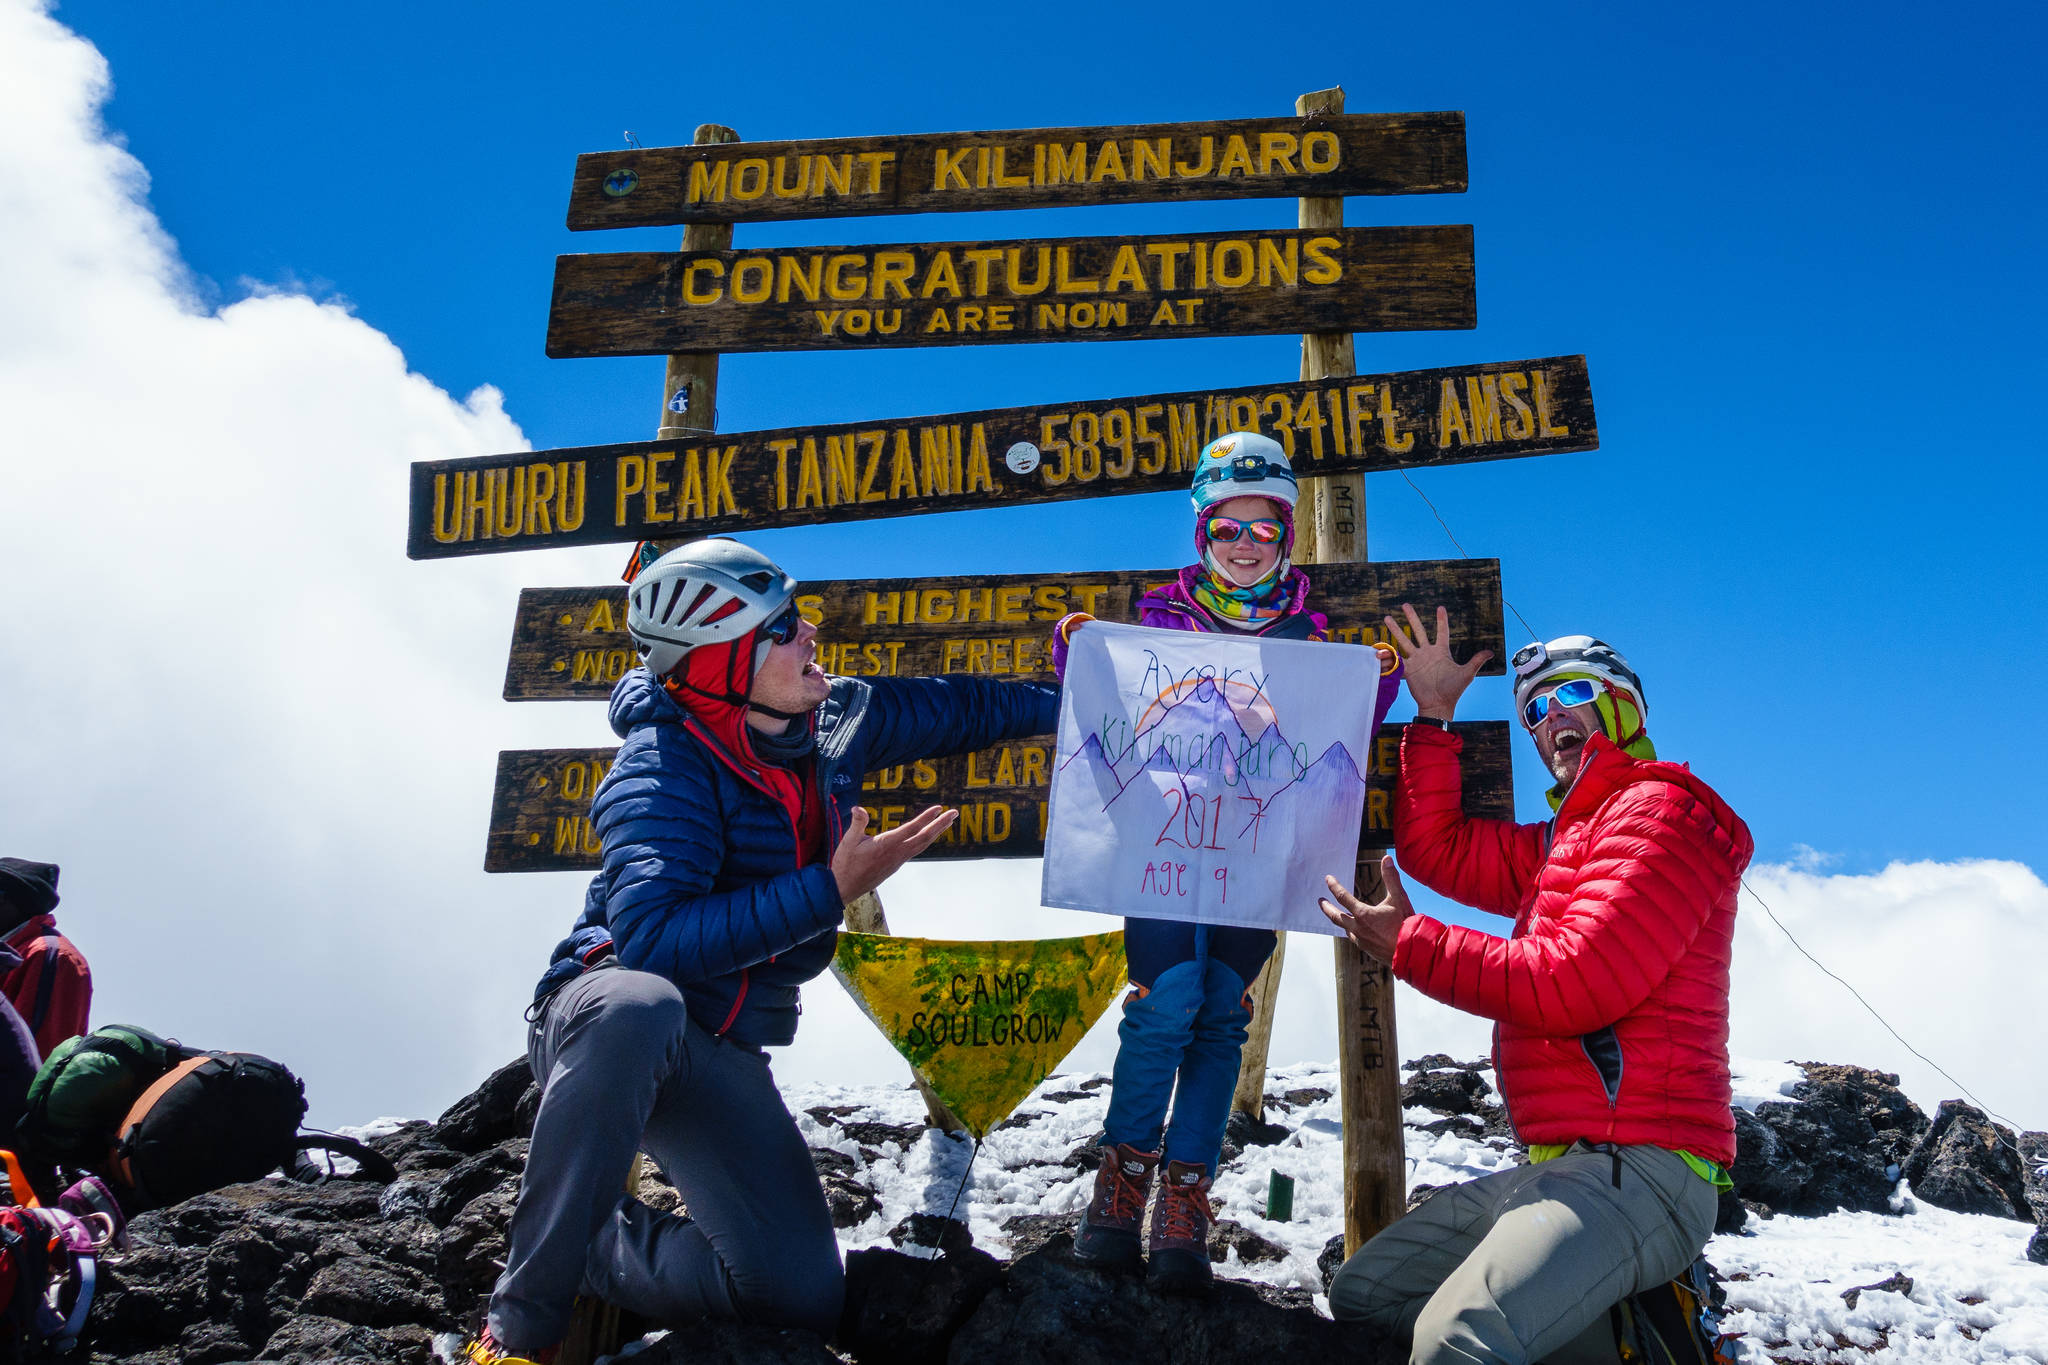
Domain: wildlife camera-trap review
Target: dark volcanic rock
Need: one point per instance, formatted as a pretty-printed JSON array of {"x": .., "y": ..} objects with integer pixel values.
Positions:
[
  {"x": 949, "y": 1235},
  {"x": 1838, "y": 1147},
  {"x": 1895, "y": 1120},
  {"x": 1331, "y": 1260},
  {"x": 1031, "y": 1231},
  {"x": 473, "y": 1176},
  {"x": 904, "y": 1135},
  {"x": 733, "y": 1343},
  {"x": 1242, "y": 1131},
  {"x": 314, "y": 1339},
  {"x": 1967, "y": 1163},
  {"x": 469, "y": 1249},
  {"x": 1446, "y": 1091},
  {"x": 414, "y": 1149},
  {"x": 489, "y": 1114},
  {"x": 1250, "y": 1247},
  {"x": 2034, "y": 1154},
  {"x": 851, "y": 1201},
  {"x": 1305, "y": 1095},
  {"x": 1051, "y": 1308},
  {"x": 371, "y": 1293},
  {"x": 901, "y": 1309}
]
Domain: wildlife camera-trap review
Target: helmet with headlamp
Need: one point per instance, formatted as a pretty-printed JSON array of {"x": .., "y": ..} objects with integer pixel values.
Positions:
[{"x": 1574, "y": 656}]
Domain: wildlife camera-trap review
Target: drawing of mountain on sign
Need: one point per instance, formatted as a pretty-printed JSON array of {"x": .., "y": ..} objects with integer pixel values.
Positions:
[{"x": 1220, "y": 742}]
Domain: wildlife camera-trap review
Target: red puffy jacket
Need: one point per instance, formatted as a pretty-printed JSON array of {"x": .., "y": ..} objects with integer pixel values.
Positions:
[{"x": 1610, "y": 1000}]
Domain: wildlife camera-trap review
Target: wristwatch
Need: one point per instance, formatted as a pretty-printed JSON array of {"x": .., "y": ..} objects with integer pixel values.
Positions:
[{"x": 1440, "y": 723}]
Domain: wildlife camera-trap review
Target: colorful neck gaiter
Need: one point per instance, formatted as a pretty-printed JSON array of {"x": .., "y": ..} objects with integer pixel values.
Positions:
[{"x": 1261, "y": 602}]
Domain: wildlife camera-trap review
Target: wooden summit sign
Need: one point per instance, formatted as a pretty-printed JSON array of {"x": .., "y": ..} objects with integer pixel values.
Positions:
[
  {"x": 802, "y": 476},
  {"x": 570, "y": 644},
  {"x": 735, "y": 182},
  {"x": 980, "y": 293},
  {"x": 540, "y": 808}
]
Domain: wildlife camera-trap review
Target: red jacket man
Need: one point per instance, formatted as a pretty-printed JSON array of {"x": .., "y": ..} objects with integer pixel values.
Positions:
[
  {"x": 1610, "y": 1002},
  {"x": 51, "y": 987}
]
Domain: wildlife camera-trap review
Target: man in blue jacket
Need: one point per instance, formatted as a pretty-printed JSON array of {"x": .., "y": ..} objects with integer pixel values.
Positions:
[{"x": 733, "y": 839}]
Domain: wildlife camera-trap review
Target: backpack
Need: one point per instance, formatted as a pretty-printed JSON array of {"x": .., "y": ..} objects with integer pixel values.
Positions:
[
  {"x": 49, "y": 1261},
  {"x": 166, "y": 1121},
  {"x": 1675, "y": 1323},
  {"x": 85, "y": 1087}
]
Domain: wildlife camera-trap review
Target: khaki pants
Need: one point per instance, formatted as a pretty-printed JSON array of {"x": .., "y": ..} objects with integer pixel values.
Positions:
[{"x": 1522, "y": 1266}]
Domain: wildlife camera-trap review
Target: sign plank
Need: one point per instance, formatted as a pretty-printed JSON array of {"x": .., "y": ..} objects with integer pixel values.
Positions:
[
  {"x": 540, "y": 808},
  {"x": 827, "y": 298},
  {"x": 570, "y": 644},
  {"x": 853, "y": 471},
  {"x": 748, "y": 182}
]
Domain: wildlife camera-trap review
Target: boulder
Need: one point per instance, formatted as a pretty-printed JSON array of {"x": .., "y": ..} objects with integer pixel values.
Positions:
[
  {"x": 1331, "y": 1260},
  {"x": 1227, "y": 1236},
  {"x": 1242, "y": 1131},
  {"x": 1050, "y": 1307},
  {"x": 1447, "y": 1092},
  {"x": 900, "y": 1309},
  {"x": 489, "y": 1114},
  {"x": 1967, "y": 1163},
  {"x": 1838, "y": 1146}
]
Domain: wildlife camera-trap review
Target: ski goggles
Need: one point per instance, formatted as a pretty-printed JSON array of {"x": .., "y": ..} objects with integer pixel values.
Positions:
[
  {"x": 1224, "y": 530},
  {"x": 783, "y": 626},
  {"x": 1576, "y": 692}
]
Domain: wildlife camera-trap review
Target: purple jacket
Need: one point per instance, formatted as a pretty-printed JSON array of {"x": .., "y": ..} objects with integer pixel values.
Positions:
[{"x": 1172, "y": 606}]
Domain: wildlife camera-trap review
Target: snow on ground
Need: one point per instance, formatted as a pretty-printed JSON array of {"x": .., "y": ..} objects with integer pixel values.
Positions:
[{"x": 1974, "y": 1296}]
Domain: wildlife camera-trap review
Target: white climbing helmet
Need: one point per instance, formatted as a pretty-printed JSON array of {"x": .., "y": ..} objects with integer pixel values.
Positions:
[
  {"x": 704, "y": 593},
  {"x": 1243, "y": 464},
  {"x": 1535, "y": 663}
]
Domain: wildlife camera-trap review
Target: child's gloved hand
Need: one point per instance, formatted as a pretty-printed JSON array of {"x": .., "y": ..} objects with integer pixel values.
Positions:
[{"x": 1068, "y": 624}]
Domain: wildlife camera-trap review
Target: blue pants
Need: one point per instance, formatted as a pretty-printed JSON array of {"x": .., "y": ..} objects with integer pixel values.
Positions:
[{"x": 1184, "y": 1021}]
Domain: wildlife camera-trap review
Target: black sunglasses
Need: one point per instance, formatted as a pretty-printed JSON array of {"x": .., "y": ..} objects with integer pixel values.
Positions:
[{"x": 782, "y": 628}]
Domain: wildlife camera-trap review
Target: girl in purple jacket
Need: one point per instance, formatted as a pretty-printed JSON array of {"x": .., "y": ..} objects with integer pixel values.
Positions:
[{"x": 1186, "y": 1017}]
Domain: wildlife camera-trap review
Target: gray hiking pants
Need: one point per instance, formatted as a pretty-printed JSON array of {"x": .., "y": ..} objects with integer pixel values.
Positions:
[
  {"x": 1523, "y": 1265},
  {"x": 624, "y": 1067}
]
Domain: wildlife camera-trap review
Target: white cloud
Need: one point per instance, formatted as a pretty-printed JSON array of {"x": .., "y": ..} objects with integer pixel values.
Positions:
[
  {"x": 1949, "y": 952},
  {"x": 257, "y": 738}
]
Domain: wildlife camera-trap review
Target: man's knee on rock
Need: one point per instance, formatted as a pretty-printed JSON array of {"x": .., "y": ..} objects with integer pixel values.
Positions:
[
  {"x": 1354, "y": 1295},
  {"x": 794, "y": 1298}
]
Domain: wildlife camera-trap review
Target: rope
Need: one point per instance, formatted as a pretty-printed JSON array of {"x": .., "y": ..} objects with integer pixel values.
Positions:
[
  {"x": 965, "y": 1176},
  {"x": 1872, "y": 1009},
  {"x": 1461, "y": 549}
]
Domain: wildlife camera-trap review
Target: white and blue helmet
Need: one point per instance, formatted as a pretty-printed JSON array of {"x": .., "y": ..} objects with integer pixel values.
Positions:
[{"x": 1243, "y": 464}]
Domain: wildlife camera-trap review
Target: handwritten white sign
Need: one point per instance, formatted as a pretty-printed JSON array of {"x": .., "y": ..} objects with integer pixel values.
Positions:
[{"x": 1207, "y": 778}]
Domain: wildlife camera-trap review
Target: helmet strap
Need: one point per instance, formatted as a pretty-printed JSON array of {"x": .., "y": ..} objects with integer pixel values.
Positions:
[{"x": 767, "y": 710}]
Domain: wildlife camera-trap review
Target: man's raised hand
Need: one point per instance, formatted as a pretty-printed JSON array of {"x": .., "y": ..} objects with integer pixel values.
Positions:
[
  {"x": 1435, "y": 680},
  {"x": 1375, "y": 926},
  {"x": 863, "y": 862}
]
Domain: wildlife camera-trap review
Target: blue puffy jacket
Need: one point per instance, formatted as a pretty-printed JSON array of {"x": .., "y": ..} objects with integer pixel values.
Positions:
[{"x": 701, "y": 878}]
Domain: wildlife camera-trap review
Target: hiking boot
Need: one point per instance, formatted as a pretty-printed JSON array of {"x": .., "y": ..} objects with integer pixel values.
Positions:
[
  {"x": 1108, "y": 1235},
  {"x": 482, "y": 1350},
  {"x": 1180, "y": 1230}
]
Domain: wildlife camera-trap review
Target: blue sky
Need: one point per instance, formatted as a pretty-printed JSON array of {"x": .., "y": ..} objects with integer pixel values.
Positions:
[{"x": 1797, "y": 245}]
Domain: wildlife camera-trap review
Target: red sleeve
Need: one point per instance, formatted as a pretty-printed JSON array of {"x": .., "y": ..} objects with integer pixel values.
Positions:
[
  {"x": 1486, "y": 864},
  {"x": 1657, "y": 866}
]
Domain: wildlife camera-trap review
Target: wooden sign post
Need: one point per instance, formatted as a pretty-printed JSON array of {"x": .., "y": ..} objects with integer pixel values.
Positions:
[{"x": 1369, "y": 1074}]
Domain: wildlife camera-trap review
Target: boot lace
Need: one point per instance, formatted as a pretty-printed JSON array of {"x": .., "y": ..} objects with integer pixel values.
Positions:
[
  {"x": 1183, "y": 1213},
  {"x": 1126, "y": 1194}
]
